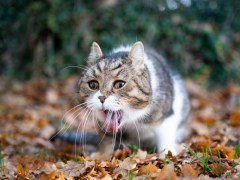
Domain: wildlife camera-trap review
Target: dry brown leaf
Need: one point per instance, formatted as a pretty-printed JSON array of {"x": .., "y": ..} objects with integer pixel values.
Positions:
[
  {"x": 60, "y": 165},
  {"x": 107, "y": 177},
  {"x": 47, "y": 168},
  {"x": 61, "y": 176},
  {"x": 88, "y": 174},
  {"x": 167, "y": 173},
  {"x": 101, "y": 157},
  {"x": 73, "y": 169},
  {"x": 234, "y": 119},
  {"x": 141, "y": 154},
  {"x": 189, "y": 172},
  {"x": 127, "y": 164},
  {"x": 21, "y": 170},
  {"x": 150, "y": 169},
  {"x": 52, "y": 175}
]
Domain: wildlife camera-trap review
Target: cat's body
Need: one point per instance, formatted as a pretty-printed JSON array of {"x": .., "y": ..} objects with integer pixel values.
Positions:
[
  {"x": 135, "y": 91},
  {"x": 164, "y": 121}
]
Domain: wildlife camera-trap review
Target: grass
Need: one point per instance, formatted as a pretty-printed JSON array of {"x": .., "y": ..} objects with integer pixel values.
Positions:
[
  {"x": 237, "y": 153},
  {"x": 214, "y": 162},
  {"x": 121, "y": 169},
  {"x": 130, "y": 175},
  {"x": 75, "y": 159},
  {"x": 132, "y": 147},
  {"x": 204, "y": 162},
  {"x": 217, "y": 166}
]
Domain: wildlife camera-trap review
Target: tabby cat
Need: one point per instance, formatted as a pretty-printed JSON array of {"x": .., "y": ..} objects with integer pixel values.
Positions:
[{"x": 134, "y": 91}]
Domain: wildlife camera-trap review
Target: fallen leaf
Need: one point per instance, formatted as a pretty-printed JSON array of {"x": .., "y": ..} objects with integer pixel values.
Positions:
[
  {"x": 167, "y": 173},
  {"x": 127, "y": 164},
  {"x": 189, "y": 172},
  {"x": 150, "y": 169},
  {"x": 141, "y": 154},
  {"x": 52, "y": 175},
  {"x": 107, "y": 177},
  {"x": 234, "y": 119},
  {"x": 21, "y": 170},
  {"x": 88, "y": 174},
  {"x": 61, "y": 176}
]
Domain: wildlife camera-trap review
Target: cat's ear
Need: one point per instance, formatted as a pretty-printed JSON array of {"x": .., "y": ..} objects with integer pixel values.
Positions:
[
  {"x": 95, "y": 53},
  {"x": 136, "y": 54}
]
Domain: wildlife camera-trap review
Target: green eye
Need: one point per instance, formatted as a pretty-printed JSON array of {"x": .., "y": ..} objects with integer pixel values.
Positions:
[
  {"x": 118, "y": 84},
  {"x": 93, "y": 85}
]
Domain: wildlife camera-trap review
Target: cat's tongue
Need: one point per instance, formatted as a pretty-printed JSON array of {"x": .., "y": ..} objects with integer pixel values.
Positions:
[{"x": 111, "y": 121}]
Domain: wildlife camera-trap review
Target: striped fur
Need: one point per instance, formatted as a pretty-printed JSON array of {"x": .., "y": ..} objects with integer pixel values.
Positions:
[{"x": 148, "y": 99}]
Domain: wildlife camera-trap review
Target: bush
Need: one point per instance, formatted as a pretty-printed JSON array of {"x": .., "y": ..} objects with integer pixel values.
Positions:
[{"x": 42, "y": 37}]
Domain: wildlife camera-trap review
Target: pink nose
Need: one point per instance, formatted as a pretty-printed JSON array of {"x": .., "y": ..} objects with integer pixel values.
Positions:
[{"x": 102, "y": 98}]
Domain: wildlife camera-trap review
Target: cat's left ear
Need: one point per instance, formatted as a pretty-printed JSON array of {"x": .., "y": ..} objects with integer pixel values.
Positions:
[
  {"x": 136, "y": 54},
  {"x": 95, "y": 53}
]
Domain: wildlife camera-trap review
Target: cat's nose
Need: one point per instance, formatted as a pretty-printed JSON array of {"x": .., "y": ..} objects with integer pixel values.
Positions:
[{"x": 102, "y": 98}]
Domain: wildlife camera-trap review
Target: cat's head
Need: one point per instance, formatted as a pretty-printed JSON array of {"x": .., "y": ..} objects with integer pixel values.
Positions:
[{"x": 116, "y": 87}]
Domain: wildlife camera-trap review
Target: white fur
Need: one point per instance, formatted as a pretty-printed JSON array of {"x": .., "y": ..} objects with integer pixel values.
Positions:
[
  {"x": 167, "y": 132},
  {"x": 121, "y": 48},
  {"x": 110, "y": 103}
]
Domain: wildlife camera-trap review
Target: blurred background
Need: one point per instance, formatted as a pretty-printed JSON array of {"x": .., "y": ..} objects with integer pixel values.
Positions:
[{"x": 201, "y": 38}]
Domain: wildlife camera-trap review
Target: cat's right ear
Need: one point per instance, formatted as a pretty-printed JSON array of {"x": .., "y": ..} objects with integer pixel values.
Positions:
[
  {"x": 136, "y": 54},
  {"x": 95, "y": 53}
]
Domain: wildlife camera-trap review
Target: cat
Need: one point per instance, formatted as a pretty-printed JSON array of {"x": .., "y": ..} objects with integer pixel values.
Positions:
[{"x": 135, "y": 91}]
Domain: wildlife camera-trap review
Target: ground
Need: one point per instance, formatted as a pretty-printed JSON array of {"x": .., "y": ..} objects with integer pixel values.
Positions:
[{"x": 31, "y": 112}]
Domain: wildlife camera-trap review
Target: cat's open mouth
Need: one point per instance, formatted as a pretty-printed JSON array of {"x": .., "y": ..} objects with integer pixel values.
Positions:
[{"x": 112, "y": 120}]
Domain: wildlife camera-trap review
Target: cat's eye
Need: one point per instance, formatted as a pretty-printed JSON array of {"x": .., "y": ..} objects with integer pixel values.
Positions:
[
  {"x": 118, "y": 84},
  {"x": 93, "y": 85}
]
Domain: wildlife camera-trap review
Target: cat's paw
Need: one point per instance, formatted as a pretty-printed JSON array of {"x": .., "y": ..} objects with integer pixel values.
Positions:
[{"x": 164, "y": 153}]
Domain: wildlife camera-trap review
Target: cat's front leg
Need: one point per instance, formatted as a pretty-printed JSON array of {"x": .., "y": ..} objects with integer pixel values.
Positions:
[{"x": 167, "y": 135}]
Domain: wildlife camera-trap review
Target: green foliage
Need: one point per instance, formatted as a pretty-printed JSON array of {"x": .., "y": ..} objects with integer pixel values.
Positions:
[
  {"x": 77, "y": 160},
  {"x": 217, "y": 166},
  {"x": 42, "y": 37},
  {"x": 205, "y": 165},
  {"x": 132, "y": 147},
  {"x": 204, "y": 161}
]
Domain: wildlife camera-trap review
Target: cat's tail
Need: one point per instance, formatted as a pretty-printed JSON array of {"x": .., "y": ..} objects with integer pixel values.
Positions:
[{"x": 78, "y": 138}]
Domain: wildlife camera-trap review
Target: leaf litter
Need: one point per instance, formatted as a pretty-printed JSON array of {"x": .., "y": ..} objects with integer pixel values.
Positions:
[{"x": 31, "y": 112}]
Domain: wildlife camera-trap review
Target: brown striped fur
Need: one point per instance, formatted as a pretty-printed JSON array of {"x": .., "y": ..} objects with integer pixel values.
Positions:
[{"x": 106, "y": 70}]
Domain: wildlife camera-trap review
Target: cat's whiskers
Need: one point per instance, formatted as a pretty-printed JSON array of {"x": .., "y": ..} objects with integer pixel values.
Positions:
[
  {"x": 85, "y": 125},
  {"x": 74, "y": 119},
  {"x": 70, "y": 114},
  {"x": 82, "y": 140},
  {"x": 93, "y": 117},
  {"x": 113, "y": 141},
  {"x": 79, "y": 67},
  {"x": 76, "y": 137},
  {"x": 120, "y": 142},
  {"x": 62, "y": 127},
  {"x": 104, "y": 133}
]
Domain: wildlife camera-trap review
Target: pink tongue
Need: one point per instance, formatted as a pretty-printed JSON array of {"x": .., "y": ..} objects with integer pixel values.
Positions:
[{"x": 111, "y": 122}]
